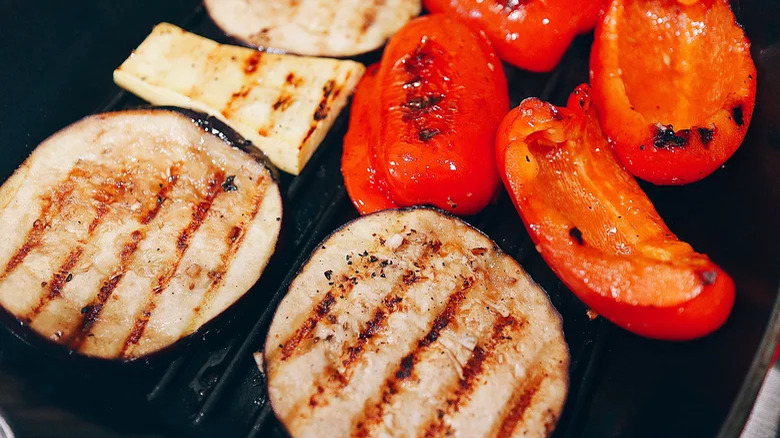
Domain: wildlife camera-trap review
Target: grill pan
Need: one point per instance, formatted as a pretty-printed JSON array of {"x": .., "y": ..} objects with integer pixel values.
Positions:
[{"x": 56, "y": 61}]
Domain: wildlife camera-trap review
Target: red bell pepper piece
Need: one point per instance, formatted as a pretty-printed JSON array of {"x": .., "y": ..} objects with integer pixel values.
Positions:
[
  {"x": 674, "y": 86},
  {"x": 423, "y": 125},
  {"x": 598, "y": 231},
  {"x": 357, "y": 161},
  {"x": 530, "y": 34}
]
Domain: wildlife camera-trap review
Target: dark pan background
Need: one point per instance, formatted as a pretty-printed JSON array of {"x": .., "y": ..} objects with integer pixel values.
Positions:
[{"x": 56, "y": 59}]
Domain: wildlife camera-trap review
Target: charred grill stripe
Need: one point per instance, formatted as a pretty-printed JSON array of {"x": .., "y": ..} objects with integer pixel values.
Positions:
[
  {"x": 162, "y": 194},
  {"x": 251, "y": 62},
  {"x": 332, "y": 380},
  {"x": 91, "y": 312},
  {"x": 369, "y": 16},
  {"x": 518, "y": 404},
  {"x": 235, "y": 98},
  {"x": 475, "y": 367},
  {"x": 199, "y": 213},
  {"x": 57, "y": 281},
  {"x": 60, "y": 277},
  {"x": 235, "y": 239},
  {"x": 365, "y": 423},
  {"x": 322, "y": 109},
  {"x": 51, "y": 208},
  {"x": 303, "y": 332},
  {"x": 312, "y": 128}
]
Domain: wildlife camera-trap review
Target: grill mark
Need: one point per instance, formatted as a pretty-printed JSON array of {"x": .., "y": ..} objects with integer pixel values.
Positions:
[
  {"x": 199, "y": 213},
  {"x": 60, "y": 277},
  {"x": 162, "y": 194},
  {"x": 57, "y": 282},
  {"x": 312, "y": 128},
  {"x": 331, "y": 381},
  {"x": 235, "y": 98},
  {"x": 518, "y": 404},
  {"x": 369, "y": 16},
  {"x": 475, "y": 366},
  {"x": 51, "y": 207},
  {"x": 91, "y": 312},
  {"x": 251, "y": 62},
  {"x": 235, "y": 239},
  {"x": 372, "y": 415},
  {"x": 283, "y": 102},
  {"x": 323, "y": 108},
  {"x": 322, "y": 309}
]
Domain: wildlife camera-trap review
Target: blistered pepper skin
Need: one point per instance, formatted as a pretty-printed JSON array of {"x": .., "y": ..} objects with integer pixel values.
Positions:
[
  {"x": 423, "y": 125},
  {"x": 598, "y": 231},
  {"x": 531, "y": 34},
  {"x": 674, "y": 86}
]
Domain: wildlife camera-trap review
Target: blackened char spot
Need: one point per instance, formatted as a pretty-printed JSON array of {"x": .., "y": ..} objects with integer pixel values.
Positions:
[
  {"x": 423, "y": 102},
  {"x": 406, "y": 367},
  {"x": 706, "y": 135},
  {"x": 708, "y": 277},
  {"x": 283, "y": 102},
  {"x": 576, "y": 234},
  {"x": 228, "y": 185},
  {"x": 251, "y": 62},
  {"x": 427, "y": 134},
  {"x": 739, "y": 117},
  {"x": 665, "y": 136}
]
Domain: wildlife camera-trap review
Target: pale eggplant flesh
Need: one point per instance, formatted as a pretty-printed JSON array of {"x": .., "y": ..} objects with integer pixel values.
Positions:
[
  {"x": 313, "y": 27},
  {"x": 128, "y": 231},
  {"x": 412, "y": 323}
]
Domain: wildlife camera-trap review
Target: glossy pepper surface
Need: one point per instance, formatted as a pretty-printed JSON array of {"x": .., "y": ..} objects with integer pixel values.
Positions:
[
  {"x": 674, "y": 85},
  {"x": 598, "y": 231},
  {"x": 423, "y": 123},
  {"x": 530, "y": 34}
]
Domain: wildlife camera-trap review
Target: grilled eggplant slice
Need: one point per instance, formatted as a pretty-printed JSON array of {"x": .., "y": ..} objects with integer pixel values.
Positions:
[
  {"x": 284, "y": 104},
  {"x": 127, "y": 231},
  {"x": 412, "y": 323},
  {"x": 313, "y": 27}
]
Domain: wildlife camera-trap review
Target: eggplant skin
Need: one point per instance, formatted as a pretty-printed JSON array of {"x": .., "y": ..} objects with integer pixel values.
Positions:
[
  {"x": 313, "y": 27},
  {"x": 130, "y": 230},
  {"x": 412, "y": 323}
]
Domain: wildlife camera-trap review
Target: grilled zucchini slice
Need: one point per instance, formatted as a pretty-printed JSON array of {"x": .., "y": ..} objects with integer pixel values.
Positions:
[{"x": 283, "y": 104}]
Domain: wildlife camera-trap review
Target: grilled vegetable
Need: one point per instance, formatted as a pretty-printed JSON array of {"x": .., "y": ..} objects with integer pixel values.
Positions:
[
  {"x": 532, "y": 35},
  {"x": 422, "y": 130},
  {"x": 412, "y": 323},
  {"x": 313, "y": 27},
  {"x": 598, "y": 231},
  {"x": 128, "y": 231},
  {"x": 674, "y": 86},
  {"x": 283, "y": 104}
]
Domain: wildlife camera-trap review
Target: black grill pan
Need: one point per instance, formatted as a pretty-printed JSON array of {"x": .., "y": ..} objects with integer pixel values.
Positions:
[{"x": 56, "y": 60}]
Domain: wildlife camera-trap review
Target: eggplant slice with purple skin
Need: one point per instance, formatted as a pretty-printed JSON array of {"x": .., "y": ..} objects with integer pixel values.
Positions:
[
  {"x": 336, "y": 28},
  {"x": 413, "y": 323},
  {"x": 128, "y": 231}
]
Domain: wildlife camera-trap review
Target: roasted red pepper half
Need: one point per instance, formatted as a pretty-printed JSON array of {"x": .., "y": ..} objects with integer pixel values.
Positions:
[
  {"x": 674, "y": 86},
  {"x": 423, "y": 124},
  {"x": 530, "y": 34},
  {"x": 598, "y": 231}
]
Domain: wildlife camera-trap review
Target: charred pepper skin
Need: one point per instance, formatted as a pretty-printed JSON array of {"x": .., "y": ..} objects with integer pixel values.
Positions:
[
  {"x": 674, "y": 85},
  {"x": 530, "y": 34},
  {"x": 424, "y": 120},
  {"x": 598, "y": 231}
]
